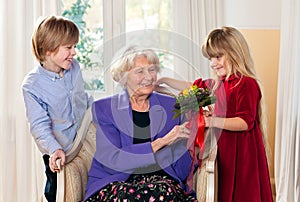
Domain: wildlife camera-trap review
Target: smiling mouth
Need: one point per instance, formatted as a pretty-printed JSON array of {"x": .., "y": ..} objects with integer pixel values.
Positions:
[
  {"x": 146, "y": 85},
  {"x": 218, "y": 68}
]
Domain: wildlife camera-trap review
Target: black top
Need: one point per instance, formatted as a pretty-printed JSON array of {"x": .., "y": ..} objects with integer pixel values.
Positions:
[
  {"x": 141, "y": 134},
  {"x": 141, "y": 128}
]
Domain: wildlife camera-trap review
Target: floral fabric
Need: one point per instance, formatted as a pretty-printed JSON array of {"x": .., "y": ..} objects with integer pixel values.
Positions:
[{"x": 143, "y": 188}]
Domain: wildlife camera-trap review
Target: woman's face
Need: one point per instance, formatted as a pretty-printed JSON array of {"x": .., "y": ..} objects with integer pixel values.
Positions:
[
  {"x": 219, "y": 65},
  {"x": 141, "y": 77}
]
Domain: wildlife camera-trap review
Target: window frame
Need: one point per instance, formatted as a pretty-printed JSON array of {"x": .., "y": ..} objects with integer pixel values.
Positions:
[{"x": 114, "y": 25}]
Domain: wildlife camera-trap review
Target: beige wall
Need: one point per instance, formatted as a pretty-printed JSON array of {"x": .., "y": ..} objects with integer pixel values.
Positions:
[{"x": 264, "y": 45}]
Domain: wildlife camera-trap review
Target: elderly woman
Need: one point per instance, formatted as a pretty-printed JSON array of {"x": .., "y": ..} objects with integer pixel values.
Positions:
[{"x": 141, "y": 152}]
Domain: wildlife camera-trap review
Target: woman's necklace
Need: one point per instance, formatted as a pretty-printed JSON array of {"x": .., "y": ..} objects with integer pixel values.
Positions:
[
  {"x": 147, "y": 107},
  {"x": 141, "y": 108}
]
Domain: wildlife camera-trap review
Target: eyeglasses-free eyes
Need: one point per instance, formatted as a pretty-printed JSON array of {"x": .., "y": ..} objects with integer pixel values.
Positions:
[{"x": 146, "y": 69}]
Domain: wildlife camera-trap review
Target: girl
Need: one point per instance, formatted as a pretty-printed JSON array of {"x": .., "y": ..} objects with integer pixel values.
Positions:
[{"x": 237, "y": 116}]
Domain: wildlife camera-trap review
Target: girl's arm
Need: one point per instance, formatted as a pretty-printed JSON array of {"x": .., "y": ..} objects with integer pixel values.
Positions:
[
  {"x": 232, "y": 124},
  {"x": 174, "y": 83}
]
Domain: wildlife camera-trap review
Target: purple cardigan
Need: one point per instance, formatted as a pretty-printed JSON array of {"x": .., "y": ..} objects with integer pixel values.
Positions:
[{"x": 116, "y": 157}]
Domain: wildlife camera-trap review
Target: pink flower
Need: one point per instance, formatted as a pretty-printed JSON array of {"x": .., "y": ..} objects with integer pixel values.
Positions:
[
  {"x": 150, "y": 185},
  {"x": 151, "y": 199}
]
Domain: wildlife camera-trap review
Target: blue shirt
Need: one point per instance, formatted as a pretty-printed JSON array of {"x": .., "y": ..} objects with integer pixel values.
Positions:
[{"x": 55, "y": 106}]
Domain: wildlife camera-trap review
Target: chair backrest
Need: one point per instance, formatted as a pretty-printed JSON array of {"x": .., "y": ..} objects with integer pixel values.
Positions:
[{"x": 73, "y": 176}]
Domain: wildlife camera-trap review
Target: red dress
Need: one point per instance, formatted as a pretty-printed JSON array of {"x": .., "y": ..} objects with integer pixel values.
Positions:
[{"x": 242, "y": 164}]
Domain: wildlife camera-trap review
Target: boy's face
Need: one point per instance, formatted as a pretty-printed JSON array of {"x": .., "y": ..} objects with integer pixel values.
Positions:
[{"x": 60, "y": 59}]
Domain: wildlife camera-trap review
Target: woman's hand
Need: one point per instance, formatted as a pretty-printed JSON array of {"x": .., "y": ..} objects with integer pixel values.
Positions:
[
  {"x": 58, "y": 154},
  {"x": 177, "y": 133}
]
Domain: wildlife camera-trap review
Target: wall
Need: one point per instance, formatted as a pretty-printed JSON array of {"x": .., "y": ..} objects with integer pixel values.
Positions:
[
  {"x": 259, "y": 21},
  {"x": 254, "y": 14},
  {"x": 264, "y": 45}
]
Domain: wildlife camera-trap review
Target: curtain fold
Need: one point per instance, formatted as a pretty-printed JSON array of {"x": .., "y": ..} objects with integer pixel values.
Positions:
[
  {"x": 194, "y": 20},
  {"x": 287, "y": 140},
  {"x": 21, "y": 167},
  {"x": 205, "y": 16}
]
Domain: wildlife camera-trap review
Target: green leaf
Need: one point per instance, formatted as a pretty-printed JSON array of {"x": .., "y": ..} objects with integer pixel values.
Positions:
[{"x": 177, "y": 113}]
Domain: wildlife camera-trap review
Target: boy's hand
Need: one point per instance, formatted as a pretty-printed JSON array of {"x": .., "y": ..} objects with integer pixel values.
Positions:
[{"x": 58, "y": 154}]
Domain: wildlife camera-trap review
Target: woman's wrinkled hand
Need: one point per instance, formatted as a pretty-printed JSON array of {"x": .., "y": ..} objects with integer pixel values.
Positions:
[{"x": 177, "y": 133}]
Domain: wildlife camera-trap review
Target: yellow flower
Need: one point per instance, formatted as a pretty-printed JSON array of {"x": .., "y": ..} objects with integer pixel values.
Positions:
[
  {"x": 185, "y": 92},
  {"x": 191, "y": 99},
  {"x": 194, "y": 88}
]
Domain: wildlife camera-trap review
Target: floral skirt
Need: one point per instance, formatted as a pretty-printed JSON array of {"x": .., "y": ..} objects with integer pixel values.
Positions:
[{"x": 143, "y": 188}]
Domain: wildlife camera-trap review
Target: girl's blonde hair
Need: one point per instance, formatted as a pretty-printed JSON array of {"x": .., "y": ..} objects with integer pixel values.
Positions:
[
  {"x": 230, "y": 43},
  {"x": 123, "y": 63},
  {"x": 51, "y": 33}
]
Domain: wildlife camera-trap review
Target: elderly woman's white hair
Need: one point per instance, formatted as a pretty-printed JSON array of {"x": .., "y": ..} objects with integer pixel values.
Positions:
[{"x": 125, "y": 62}]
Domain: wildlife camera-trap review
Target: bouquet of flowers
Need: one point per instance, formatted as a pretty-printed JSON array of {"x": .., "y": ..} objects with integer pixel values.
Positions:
[{"x": 192, "y": 100}]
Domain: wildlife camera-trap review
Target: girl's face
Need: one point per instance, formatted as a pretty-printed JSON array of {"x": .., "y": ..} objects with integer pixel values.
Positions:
[
  {"x": 61, "y": 59},
  {"x": 219, "y": 65},
  {"x": 141, "y": 78}
]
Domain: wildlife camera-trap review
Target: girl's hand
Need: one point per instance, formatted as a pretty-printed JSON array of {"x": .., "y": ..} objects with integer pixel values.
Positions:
[
  {"x": 160, "y": 81},
  {"x": 208, "y": 121},
  {"x": 208, "y": 110},
  {"x": 207, "y": 114}
]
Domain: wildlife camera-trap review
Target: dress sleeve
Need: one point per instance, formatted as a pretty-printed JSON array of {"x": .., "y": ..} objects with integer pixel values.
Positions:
[
  {"x": 248, "y": 98},
  {"x": 199, "y": 82},
  {"x": 208, "y": 83}
]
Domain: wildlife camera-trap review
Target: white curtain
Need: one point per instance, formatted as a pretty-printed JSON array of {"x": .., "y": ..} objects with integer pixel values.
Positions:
[
  {"x": 287, "y": 139},
  {"x": 21, "y": 168},
  {"x": 194, "y": 20}
]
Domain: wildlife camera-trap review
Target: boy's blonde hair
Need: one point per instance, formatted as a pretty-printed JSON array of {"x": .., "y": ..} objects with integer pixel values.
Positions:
[{"x": 51, "y": 33}]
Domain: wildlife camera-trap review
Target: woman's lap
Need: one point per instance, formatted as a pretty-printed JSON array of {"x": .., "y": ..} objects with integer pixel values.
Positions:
[{"x": 143, "y": 188}]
